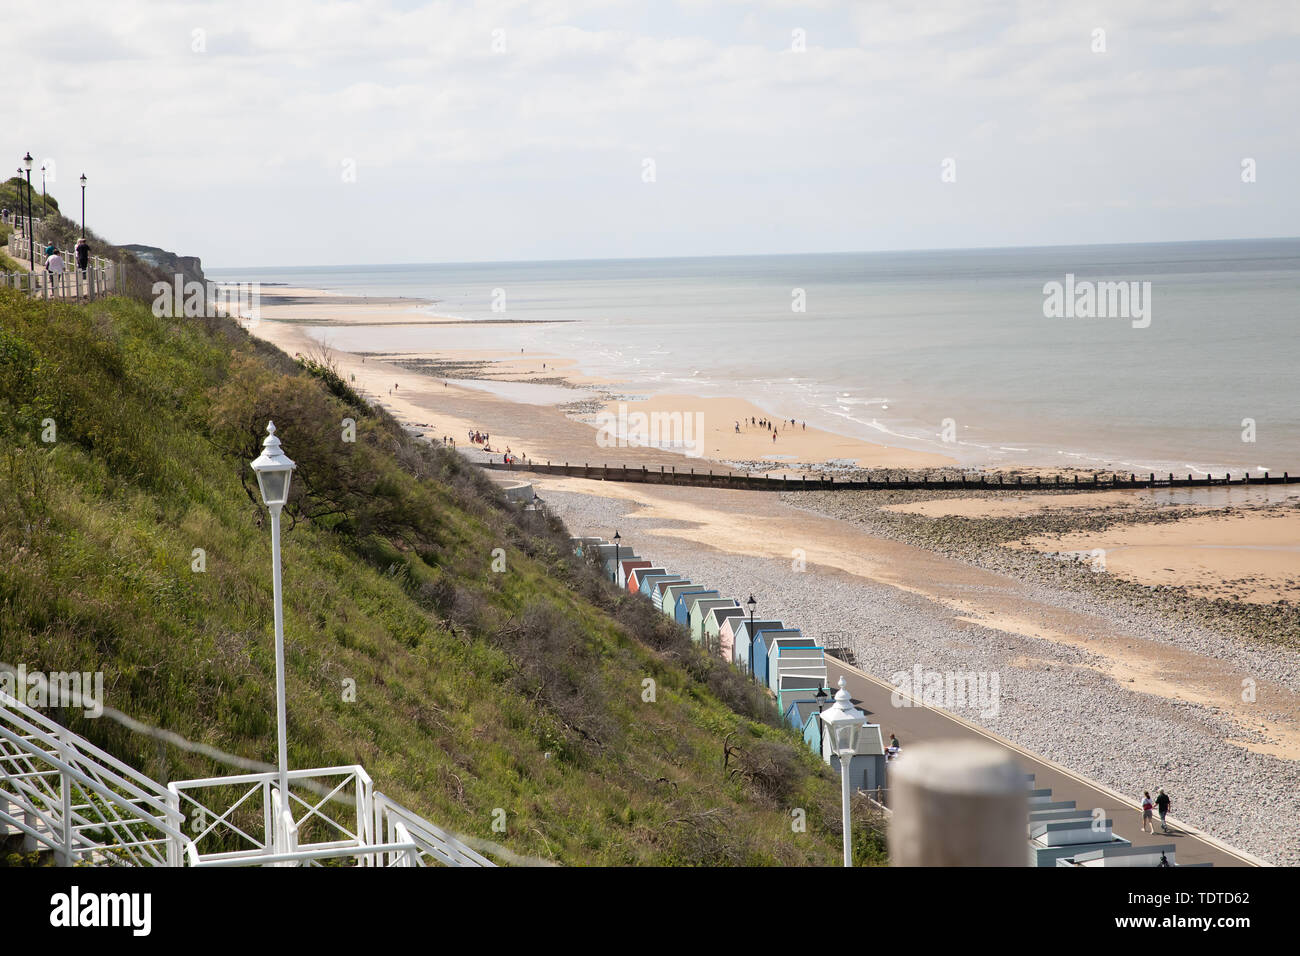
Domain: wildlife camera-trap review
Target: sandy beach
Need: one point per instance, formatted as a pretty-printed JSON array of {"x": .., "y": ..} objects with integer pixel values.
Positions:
[
  {"x": 541, "y": 405},
  {"x": 897, "y": 600},
  {"x": 541, "y": 408}
]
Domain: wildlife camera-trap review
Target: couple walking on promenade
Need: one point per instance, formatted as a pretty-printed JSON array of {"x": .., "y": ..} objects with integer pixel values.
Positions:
[{"x": 1161, "y": 803}]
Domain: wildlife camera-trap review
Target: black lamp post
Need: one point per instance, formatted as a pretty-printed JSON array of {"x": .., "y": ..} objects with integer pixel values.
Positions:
[
  {"x": 752, "y": 604},
  {"x": 43, "y": 212},
  {"x": 31, "y": 249},
  {"x": 822, "y": 697},
  {"x": 614, "y": 575},
  {"x": 83, "y": 205}
]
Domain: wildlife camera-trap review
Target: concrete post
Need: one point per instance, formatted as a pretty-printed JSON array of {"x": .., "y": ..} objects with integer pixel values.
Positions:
[{"x": 958, "y": 804}]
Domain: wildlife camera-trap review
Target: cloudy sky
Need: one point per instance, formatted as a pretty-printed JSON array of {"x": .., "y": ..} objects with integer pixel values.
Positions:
[{"x": 295, "y": 132}]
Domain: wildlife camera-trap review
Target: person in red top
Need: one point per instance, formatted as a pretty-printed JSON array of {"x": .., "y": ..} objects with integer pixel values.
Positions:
[{"x": 1147, "y": 807}]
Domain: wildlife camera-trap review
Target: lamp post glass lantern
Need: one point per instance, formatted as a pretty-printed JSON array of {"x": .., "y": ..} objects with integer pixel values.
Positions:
[
  {"x": 751, "y": 604},
  {"x": 843, "y": 723},
  {"x": 274, "y": 470},
  {"x": 822, "y": 697},
  {"x": 31, "y": 247}
]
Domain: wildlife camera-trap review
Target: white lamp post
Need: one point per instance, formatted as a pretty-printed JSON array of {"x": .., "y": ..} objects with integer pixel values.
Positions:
[
  {"x": 843, "y": 723},
  {"x": 274, "y": 470}
]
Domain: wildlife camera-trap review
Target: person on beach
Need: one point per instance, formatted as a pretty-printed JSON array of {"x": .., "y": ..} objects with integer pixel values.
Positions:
[
  {"x": 1148, "y": 826},
  {"x": 893, "y": 741},
  {"x": 1162, "y": 804}
]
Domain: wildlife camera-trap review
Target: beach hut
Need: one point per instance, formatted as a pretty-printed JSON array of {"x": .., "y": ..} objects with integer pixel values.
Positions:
[
  {"x": 763, "y": 644},
  {"x": 796, "y": 715},
  {"x": 686, "y": 605},
  {"x": 727, "y": 637},
  {"x": 808, "y": 712},
  {"x": 812, "y": 728},
  {"x": 697, "y": 605},
  {"x": 614, "y": 569},
  {"x": 655, "y": 583},
  {"x": 657, "y": 586},
  {"x": 812, "y": 669},
  {"x": 627, "y": 567},
  {"x": 639, "y": 574},
  {"x": 787, "y": 656},
  {"x": 796, "y": 688},
  {"x": 867, "y": 768},
  {"x": 669, "y": 595},
  {"x": 701, "y": 613},
  {"x": 714, "y": 624},
  {"x": 744, "y": 638}
]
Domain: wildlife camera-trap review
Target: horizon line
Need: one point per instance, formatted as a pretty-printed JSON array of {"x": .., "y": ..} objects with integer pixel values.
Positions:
[{"x": 756, "y": 255}]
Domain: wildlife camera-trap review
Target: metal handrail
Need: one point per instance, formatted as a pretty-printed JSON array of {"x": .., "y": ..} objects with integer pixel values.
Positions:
[{"x": 431, "y": 839}]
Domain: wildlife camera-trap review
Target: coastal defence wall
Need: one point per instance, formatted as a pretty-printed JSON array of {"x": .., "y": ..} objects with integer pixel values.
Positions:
[{"x": 710, "y": 478}]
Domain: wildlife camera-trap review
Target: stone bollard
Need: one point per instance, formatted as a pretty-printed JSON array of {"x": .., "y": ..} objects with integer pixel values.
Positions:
[{"x": 957, "y": 803}]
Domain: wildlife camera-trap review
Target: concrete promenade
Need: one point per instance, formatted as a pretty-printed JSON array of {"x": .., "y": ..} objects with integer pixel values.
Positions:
[{"x": 920, "y": 723}]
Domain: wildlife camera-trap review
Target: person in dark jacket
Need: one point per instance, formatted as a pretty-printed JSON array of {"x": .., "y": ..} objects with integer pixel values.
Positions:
[
  {"x": 1162, "y": 804},
  {"x": 83, "y": 254}
]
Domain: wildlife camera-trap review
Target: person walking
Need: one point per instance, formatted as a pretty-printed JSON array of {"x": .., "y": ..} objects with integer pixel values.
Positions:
[
  {"x": 82, "y": 252},
  {"x": 1148, "y": 826},
  {"x": 54, "y": 268},
  {"x": 1162, "y": 804}
]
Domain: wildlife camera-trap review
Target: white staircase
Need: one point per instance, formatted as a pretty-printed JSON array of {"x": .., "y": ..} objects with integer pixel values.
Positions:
[{"x": 72, "y": 799}]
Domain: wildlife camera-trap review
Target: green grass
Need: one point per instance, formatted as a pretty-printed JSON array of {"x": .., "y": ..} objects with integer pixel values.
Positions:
[{"x": 474, "y": 690}]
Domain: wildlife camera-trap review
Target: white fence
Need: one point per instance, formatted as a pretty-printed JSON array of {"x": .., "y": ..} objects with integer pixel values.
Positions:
[
  {"x": 67, "y": 797},
  {"x": 99, "y": 279}
]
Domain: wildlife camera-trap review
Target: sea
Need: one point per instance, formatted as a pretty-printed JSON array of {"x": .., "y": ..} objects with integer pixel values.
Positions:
[{"x": 1181, "y": 357}]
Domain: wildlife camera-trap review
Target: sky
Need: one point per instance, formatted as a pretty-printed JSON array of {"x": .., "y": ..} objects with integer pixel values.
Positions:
[{"x": 326, "y": 132}]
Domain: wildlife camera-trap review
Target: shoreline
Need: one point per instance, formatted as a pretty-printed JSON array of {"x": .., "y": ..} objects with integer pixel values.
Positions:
[
  {"x": 722, "y": 430},
  {"x": 915, "y": 557},
  {"x": 431, "y": 329},
  {"x": 300, "y": 320}
]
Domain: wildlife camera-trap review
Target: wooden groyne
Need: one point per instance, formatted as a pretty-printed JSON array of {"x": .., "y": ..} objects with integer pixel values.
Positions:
[{"x": 716, "y": 478}]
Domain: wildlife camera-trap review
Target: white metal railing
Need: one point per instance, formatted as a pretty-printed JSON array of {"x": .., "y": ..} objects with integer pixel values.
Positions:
[
  {"x": 71, "y": 285},
  {"x": 433, "y": 844},
  {"x": 95, "y": 281},
  {"x": 66, "y": 796},
  {"x": 332, "y": 815}
]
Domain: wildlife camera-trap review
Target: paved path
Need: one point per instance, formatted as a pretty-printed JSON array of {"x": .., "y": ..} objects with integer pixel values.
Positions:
[{"x": 919, "y": 723}]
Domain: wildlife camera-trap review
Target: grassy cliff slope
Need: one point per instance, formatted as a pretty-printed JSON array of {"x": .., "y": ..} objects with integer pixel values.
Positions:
[{"x": 134, "y": 543}]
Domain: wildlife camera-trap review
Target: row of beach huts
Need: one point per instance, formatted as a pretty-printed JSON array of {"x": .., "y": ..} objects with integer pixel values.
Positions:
[
  {"x": 793, "y": 669},
  {"x": 791, "y": 666}
]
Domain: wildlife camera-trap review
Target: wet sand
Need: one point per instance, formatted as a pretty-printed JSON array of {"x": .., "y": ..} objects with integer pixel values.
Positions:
[{"x": 410, "y": 383}]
